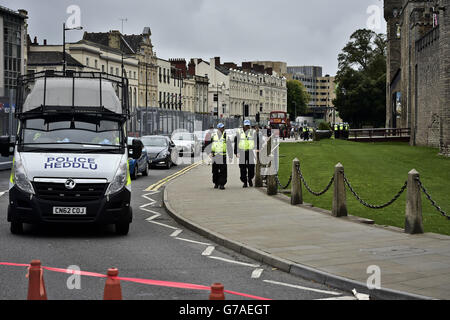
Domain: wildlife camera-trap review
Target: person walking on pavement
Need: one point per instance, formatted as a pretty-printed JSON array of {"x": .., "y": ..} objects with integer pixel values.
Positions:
[
  {"x": 246, "y": 143},
  {"x": 219, "y": 150}
]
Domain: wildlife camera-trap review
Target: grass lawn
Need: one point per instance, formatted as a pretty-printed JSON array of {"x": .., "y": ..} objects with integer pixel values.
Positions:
[{"x": 376, "y": 171}]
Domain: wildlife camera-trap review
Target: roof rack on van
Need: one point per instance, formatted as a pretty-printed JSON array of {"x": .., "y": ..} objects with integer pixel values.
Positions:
[{"x": 72, "y": 92}]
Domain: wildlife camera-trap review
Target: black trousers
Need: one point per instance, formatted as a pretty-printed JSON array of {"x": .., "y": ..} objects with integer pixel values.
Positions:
[
  {"x": 247, "y": 166},
  {"x": 220, "y": 171}
]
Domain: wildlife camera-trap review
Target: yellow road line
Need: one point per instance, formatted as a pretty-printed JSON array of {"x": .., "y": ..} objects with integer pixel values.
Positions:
[
  {"x": 159, "y": 184},
  {"x": 174, "y": 177},
  {"x": 166, "y": 178}
]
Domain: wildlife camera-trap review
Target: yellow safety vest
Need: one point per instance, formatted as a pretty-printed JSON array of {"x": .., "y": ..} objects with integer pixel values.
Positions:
[
  {"x": 246, "y": 142},
  {"x": 219, "y": 146},
  {"x": 342, "y": 127}
]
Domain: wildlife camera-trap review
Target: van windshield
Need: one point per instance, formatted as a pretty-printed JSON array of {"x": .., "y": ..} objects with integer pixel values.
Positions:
[{"x": 71, "y": 134}]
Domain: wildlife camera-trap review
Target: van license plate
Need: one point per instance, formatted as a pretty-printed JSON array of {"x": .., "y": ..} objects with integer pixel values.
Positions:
[{"x": 69, "y": 211}]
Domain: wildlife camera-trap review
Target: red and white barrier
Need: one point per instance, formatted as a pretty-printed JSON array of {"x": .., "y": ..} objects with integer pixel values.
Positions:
[{"x": 113, "y": 291}]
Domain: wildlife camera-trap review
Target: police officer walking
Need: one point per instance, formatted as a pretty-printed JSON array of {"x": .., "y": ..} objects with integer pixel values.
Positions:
[
  {"x": 219, "y": 151},
  {"x": 245, "y": 143},
  {"x": 336, "y": 131},
  {"x": 306, "y": 133}
]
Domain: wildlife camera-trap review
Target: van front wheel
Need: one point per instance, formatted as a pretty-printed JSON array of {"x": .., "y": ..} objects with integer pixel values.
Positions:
[
  {"x": 122, "y": 228},
  {"x": 16, "y": 227}
]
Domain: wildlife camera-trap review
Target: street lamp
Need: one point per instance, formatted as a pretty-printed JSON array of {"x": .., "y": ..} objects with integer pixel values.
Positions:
[{"x": 64, "y": 44}]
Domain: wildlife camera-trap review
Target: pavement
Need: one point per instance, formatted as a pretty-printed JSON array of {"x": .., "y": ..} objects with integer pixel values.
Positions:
[{"x": 343, "y": 253}]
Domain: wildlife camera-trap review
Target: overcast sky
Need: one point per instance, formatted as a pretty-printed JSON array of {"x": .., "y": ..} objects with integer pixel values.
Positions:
[{"x": 298, "y": 32}]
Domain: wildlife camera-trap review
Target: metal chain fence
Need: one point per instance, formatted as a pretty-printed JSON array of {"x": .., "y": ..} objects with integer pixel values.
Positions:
[
  {"x": 364, "y": 203},
  {"x": 355, "y": 194},
  {"x": 433, "y": 203},
  {"x": 279, "y": 183},
  {"x": 317, "y": 194}
]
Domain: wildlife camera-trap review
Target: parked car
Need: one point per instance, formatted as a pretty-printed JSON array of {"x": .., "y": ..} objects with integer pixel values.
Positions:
[
  {"x": 159, "y": 149},
  {"x": 138, "y": 165},
  {"x": 187, "y": 144}
]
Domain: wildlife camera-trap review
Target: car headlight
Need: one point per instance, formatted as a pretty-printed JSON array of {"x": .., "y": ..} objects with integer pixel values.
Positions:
[
  {"x": 120, "y": 179},
  {"x": 20, "y": 178},
  {"x": 164, "y": 154}
]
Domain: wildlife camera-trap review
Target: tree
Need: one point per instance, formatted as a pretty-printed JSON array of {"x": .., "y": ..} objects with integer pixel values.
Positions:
[
  {"x": 297, "y": 98},
  {"x": 361, "y": 80}
]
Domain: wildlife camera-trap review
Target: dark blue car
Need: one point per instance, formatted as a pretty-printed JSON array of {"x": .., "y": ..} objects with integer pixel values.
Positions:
[{"x": 140, "y": 165}]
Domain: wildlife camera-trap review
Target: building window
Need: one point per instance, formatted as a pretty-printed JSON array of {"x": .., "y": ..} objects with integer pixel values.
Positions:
[
  {"x": 112, "y": 70},
  {"x": 96, "y": 64},
  {"x": 103, "y": 68},
  {"x": 87, "y": 62}
]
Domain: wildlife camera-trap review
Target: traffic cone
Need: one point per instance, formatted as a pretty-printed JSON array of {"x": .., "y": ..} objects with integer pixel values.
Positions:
[
  {"x": 217, "y": 292},
  {"x": 113, "y": 291},
  {"x": 36, "y": 286}
]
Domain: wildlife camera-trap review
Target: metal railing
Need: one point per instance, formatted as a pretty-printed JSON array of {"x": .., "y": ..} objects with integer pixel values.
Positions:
[{"x": 379, "y": 133}]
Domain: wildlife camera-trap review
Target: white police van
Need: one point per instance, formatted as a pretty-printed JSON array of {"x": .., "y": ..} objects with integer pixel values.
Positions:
[{"x": 70, "y": 155}]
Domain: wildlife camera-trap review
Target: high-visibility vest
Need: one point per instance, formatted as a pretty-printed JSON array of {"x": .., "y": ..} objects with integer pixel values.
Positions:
[
  {"x": 219, "y": 145},
  {"x": 304, "y": 129},
  {"x": 246, "y": 141},
  {"x": 336, "y": 127},
  {"x": 310, "y": 129},
  {"x": 342, "y": 127}
]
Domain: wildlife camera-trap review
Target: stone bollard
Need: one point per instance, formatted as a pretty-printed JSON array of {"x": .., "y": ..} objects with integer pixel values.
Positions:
[
  {"x": 296, "y": 191},
  {"x": 413, "y": 219},
  {"x": 272, "y": 186},
  {"x": 339, "y": 196}
]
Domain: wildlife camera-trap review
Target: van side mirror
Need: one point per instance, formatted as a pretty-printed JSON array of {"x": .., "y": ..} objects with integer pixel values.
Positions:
[{"x": 6, "y": 146}]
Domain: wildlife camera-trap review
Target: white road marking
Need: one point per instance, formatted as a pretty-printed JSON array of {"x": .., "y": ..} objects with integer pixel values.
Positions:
[
  {"x": 303, "y": 288},
  {"x": 208, "y": 251},
  {"x": 162, "y": 224},
  {"x": 340, "y": 298},
  {"x": 157, "y": 215},
  {"x": 257, "y": 273},
  {"x": 176, "y": 233},
  {"x": 235, "y": 262},
  {"x": 192, "y": 241}
]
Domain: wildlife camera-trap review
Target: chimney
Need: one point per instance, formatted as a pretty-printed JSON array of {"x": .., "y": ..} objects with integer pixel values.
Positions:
[
  {"x": 35, "y": 41},
  {"x": 114, "y": 39},
  {"x": 45, "y": 42},
  {"x": 217, "y": 60},
  {"x": 247, "y": 66},
  {"x": 191, "y": 68},
  {"x": 23, "y": 12},
  {"x": 180, "y": 65}
]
